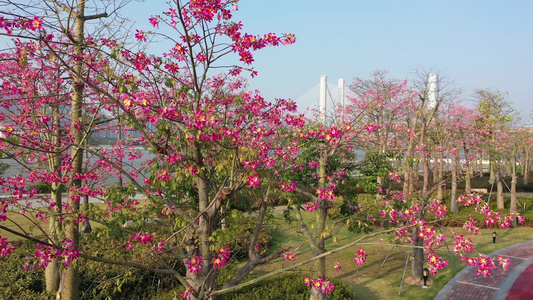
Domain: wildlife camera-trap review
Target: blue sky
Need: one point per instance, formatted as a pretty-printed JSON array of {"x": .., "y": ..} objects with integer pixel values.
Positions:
[{"x": 475, "y": 43}]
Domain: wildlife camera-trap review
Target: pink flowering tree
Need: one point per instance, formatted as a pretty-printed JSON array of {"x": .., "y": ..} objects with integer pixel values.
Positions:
[
  {"x": 447, "y": 144},
  {"x": 48, "y": 120},
  {"x": 496, "y": 113},
  {"x": 318, "y": 181},
  {"x": 208, "y": 136},
  {"x": 38, "y": 94},
  {"x": 384, "y": 107}
]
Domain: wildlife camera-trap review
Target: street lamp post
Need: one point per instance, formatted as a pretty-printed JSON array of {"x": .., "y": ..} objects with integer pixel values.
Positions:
[{"x": 425, "y": 274}]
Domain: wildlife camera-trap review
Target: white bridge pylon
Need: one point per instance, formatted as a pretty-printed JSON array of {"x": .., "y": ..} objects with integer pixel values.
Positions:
[{"x": 332, "y": 95}]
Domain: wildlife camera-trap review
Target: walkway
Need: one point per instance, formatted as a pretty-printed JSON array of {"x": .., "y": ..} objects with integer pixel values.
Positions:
[{"x": 514, "y": 284}]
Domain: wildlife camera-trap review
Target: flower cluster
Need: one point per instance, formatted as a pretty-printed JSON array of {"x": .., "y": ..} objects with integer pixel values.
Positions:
[
  {"x": 140, "y": 237},
  {"x": 394, "y": 177},
  {"x": 486, "y": 264},
  {"x": 311, "y": 206},
  {"x": 469, "y": 200},
  {"x": 360, "y": 256},
  {"x": 471, "y": 226},
  {"x": 326, "y": 194},
  {"x": 438, "y": 209},
  {"x": 288, "y": 187},
  {"x": 435, "y": 263},
  {"x": 253, "y": 181},
  {"x": 496, "y": 218},
  {"x": 5, "y": 247},
  {"x": 320, "y": 284},
  {"x": 20, "y": 23},
  {"x": 462, "y": 244},
  {"x": 223, "y": 255},
  {"x": 185, "y": 295},
  {"x": 44, "y": 255},
  {"x": 195, "y": 264},
  {"x": 68, "y": 253},
  {"x": 159, "y": 246},
  {"x": 289, "y": 256}
]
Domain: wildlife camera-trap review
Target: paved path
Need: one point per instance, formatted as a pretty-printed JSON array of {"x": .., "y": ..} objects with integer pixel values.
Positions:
[{"x": 516, "y": 283}]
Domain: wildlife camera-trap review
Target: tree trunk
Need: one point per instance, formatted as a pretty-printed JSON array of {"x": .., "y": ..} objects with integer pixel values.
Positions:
[
  {"x": 525, "y": 168},
  {"x": 513, "y": 189},
  {"x": 492, "y": 171},
  {"x": 499, "y": 187},
  {"x": 454, "y": 207},
  {"x": 480, "y": 160},
  {"x": 69, "y": 288},
  {"x": 316, "y": 295},
  {"x": 204, "y": 232},
  {"x": 408, "y": 178},
  {"x": 418, "y": 258},
  {"x": 440, "y": 176},
  {"x": 418, "y": 251},
  {"x": 52, "y": 271},
  {"x": 379, "y": 183},
  {"x": 320, "y": 264},
  {"x": 469, "y": 171},
  {"x": 468, "y": 179},
  {"x": 513, "y": 192}
]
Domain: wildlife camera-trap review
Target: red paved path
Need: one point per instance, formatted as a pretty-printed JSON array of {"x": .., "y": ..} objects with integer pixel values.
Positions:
[
  {"x": 516, "y": 283},
  {"x": 523, "y": 286}
]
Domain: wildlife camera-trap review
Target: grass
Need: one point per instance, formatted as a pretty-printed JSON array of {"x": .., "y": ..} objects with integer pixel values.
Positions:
[{"x": 381, "y": 276}]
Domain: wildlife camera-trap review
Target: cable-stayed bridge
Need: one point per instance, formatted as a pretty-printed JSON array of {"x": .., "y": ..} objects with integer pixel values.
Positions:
[{"x": 329, "y": 93}]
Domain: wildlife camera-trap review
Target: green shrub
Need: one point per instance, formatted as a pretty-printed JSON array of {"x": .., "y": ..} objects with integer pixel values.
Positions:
[
  {"x": 97, "y": 280},
  {"x": 289, "y": 286},
  {"x": 107, "y": 281},
  {"x": 15, "y": 283}
]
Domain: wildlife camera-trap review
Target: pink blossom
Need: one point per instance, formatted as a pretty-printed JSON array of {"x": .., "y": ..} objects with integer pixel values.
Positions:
[
  {"x": 5, "y": 247},
  {"x": 142, "y": 238},
  {"x": 289, "y": 256},
  {"x": 311, "y": 206},
  {"x": 435, "y": 263},
  {"x": 159, "y": 247},
  {"x": 140, "y": 36},
  {"x": 360, "y": 256},
  {"x": 154, "y": 21},
  {"x": 320, "y": 284},
  {"x": 253, "y": 181},
  {"x": 504, "y": 262},
  {"x": 288, "y": 187},
  {"x": 195, "y": 264}
]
